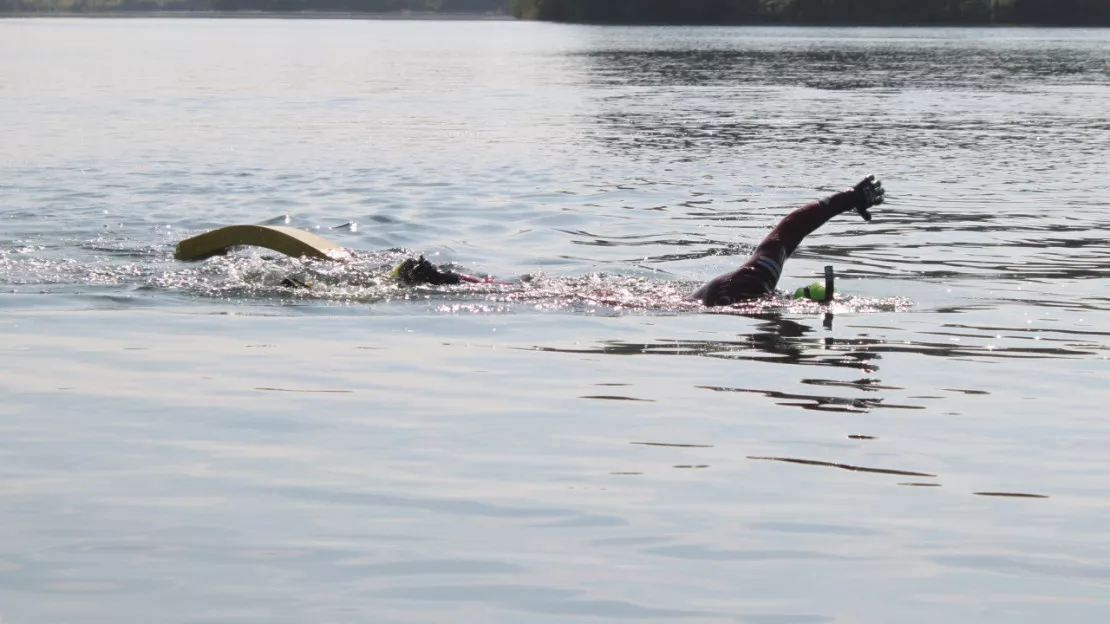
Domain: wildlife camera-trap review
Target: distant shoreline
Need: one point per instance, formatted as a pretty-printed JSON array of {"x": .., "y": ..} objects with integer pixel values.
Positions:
[
  {"x": 345, "y": 15},
  {"x": 489, "y": 17}
]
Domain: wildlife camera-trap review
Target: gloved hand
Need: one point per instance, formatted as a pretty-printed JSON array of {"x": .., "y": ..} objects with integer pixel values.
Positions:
[{"x": 868, "y": 193}]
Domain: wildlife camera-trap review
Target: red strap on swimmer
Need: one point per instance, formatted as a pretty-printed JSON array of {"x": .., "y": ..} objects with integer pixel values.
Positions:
[{"x": 473, "y": 279}]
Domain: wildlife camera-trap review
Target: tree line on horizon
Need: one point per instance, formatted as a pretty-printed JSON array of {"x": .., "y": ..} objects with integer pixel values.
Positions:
[
  {"x": 352, "y": 6},
  {"x": 818, "y": 12}
]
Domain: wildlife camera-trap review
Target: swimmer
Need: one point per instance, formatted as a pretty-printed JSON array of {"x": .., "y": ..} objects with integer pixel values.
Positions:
[
  {"x": 755, "y": 278},
  {"x": 758, "y": 276}
]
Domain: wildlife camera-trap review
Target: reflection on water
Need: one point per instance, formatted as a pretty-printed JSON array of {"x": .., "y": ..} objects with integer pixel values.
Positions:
[
  {"x": 810, "y": 462},
  {"x": 821, "y": 403},
  {"x": 1010, "y": 495},
  {"x": 781, "y": 340},
  {"x": 777, "y": 338}
]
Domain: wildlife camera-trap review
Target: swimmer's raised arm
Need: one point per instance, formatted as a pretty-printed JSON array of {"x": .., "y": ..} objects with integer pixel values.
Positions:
[
  {"x": 805, "y": 220},
  {"x": 759, "y": 275}
]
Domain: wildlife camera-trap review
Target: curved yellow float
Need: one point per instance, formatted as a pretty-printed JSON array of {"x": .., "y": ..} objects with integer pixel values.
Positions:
[{"x": 289, "y": 241}]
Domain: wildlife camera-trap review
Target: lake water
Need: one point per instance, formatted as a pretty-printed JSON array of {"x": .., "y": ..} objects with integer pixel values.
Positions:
[{"x": 193, "y": 442}]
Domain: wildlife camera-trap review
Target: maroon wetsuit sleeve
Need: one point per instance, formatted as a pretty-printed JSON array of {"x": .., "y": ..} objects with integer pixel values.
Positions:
[
  {"x": 760, "y": 274},
  {"x": 802, "y": 222}
]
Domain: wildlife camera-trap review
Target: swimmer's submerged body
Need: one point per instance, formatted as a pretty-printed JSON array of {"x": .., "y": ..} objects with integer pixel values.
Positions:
[{"x": 755, "y": 278}]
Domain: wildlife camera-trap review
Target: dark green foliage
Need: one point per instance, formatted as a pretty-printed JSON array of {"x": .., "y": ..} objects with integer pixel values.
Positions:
[
  {"x": 367, "y": 6},
  {"x": 642, "y": 11},
  {"x": 879, "y": 12},
  {"x": 1062, "y": 12},
  {"x": 364, "y": 6}
]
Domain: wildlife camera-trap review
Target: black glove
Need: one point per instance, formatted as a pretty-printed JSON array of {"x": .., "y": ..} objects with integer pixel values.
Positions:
[{"x": 868, "y": 193}]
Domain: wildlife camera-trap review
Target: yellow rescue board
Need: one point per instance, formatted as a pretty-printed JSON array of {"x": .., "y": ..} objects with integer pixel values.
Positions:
[{"x": 289, "y": 241}]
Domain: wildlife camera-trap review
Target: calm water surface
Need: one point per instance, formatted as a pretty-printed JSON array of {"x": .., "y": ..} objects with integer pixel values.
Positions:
[{"x": 192, "y": 442}]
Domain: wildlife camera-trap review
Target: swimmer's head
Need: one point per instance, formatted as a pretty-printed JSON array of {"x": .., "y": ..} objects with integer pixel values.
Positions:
[{"x": 412, "y": 272}]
